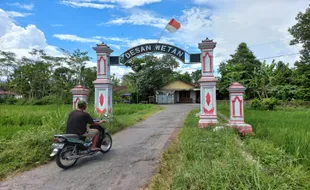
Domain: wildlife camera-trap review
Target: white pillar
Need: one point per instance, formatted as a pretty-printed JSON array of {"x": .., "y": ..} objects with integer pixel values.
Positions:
[
  {"x": 79, "y": 93},
  {"x": 207, "y": 85},
  {"x": 103, "y": 84},
  {"x": 236, "y": 92}
]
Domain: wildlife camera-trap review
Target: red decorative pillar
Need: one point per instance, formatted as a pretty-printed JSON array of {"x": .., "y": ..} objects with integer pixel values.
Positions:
[
  {"x": 79, "y": 93},
  {"x": 236, "y": 92},
  {"x": 103, "y": 84},
  {"x": 207, "y": 85}
]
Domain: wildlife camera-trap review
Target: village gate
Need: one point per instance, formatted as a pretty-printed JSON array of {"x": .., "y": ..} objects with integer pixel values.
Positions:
[{"x": 103, "y": 84}]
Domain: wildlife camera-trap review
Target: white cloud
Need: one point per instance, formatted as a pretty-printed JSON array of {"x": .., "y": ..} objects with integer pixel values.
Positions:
[
  {"x": 112, "y": 3},
  {"x": 17, "y": 14},
  {"x": 140, "y": 18},
  {"x": 23, "y": 6},
  {"x": 85, "y": 4},
  {"x": 74, "y": 38},
  {"x": 128, "y": 43},
  {"x": 21, "y": 40},
  {"x": 229, "y": 23},
  {"x": 120, "y": 71},
  {"x": 133, "y": 3},
  {"x": 57, "y": 25}
]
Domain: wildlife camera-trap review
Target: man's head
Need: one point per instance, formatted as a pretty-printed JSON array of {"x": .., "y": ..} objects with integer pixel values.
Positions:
[{"x": 82, "y": 104}]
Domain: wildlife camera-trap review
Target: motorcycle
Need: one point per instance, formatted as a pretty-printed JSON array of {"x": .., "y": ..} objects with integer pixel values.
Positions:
[{"x": 68, "y": 148}]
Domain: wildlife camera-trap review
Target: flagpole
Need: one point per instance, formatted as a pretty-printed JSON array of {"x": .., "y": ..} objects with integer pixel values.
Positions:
[{"x": 162, "y": 32}]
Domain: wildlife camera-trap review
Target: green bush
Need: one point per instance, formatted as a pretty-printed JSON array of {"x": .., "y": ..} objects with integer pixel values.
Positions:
[
  {"x": 11, "y": 101},
  {"x": 269, "y": 103},
  {"x": 264, "y": 104},
  {"x": 256, "y": 104}
]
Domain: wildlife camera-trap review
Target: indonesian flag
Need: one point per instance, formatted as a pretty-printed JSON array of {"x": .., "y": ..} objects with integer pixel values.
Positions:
[{"x": 173, "y": 26}]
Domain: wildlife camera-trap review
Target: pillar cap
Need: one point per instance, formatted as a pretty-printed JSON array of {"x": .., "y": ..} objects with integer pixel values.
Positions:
[
  {"x": 79, "y": 90},
  {"x": 236, "y": 87},
  {"x": 207, "y": 44},
  {"x": 103, "y": 48}
]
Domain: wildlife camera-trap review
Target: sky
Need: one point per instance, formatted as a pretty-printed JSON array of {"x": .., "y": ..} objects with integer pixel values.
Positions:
[{"x": 122, "y": 24}]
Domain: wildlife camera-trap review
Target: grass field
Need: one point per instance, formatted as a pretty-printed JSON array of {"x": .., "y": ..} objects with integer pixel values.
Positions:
[
  {"x": 26, "y": 132},
  {"x": 206, "y": 159},
  {"x": 287, "y": 128}
]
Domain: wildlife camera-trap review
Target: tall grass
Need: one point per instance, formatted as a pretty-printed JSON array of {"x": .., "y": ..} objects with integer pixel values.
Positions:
[
  {"x": 206, "y": 159},
  {"x": 26, "y": 132},
  {"x": 287, "y": 128}
]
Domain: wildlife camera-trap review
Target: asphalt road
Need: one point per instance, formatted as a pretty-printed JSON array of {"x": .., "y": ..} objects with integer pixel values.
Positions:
[{"x": 130, "y": 163}]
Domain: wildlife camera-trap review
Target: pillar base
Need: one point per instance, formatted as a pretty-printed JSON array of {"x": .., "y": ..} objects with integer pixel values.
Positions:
[
  {"x": 207, "y": 122},
  {"x": 244, "y": 128}
]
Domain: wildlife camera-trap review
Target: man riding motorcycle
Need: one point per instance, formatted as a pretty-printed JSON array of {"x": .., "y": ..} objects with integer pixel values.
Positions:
[{"x": 77, "y": 124}]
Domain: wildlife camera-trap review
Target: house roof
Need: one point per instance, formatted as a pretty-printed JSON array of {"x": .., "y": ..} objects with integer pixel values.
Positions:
[
  {"x": 119, "y": 88},
  {"x": 5, "y": 92},
  {"x": 178, "y": 85}
]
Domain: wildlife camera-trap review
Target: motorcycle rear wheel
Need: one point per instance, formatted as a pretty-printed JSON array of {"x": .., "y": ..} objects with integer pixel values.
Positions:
[
  {"x": 106, "y": 143},
  {"x": 61, "y": 160}
]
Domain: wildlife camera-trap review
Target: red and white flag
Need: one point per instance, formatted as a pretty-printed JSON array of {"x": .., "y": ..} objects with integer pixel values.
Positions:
[{"x": 173, "y": 26}]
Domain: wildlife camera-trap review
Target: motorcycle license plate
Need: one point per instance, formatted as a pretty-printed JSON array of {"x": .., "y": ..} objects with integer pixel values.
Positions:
[{"x": 58, "y": 145}]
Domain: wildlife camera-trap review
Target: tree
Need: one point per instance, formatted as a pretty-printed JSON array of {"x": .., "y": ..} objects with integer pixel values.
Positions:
[
  {"x": 150, "y": 74},
  {"x": 241, "y": 68},
  {"x": 301, "y": 33},
  {"x": 116, "y": 81},
  {"x": 196, "y": 75},
  {"x": 186, "y": 77},
  {"x": 77, "y": 62},
  {"x": 7, "y": 65}
]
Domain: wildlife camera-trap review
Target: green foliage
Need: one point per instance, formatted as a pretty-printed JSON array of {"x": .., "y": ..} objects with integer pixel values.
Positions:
[
  {"x": 239, "y": 68},
  {"x": 186, "y": 77},
  {"x": 287, "y": 128},
  {"x": 264, "y": 104},
  {"x": 256, "y": 104},
  {"x": 269, "y": 103},
  {"x": 204, "y": 159},
  {"x": 301, "y": 34},
  {"x": 150, "y": 73},
  {"x": 196, "y": 75},
  {"x": 44, "y": 75},
  {"x": 26, "y": 132}
]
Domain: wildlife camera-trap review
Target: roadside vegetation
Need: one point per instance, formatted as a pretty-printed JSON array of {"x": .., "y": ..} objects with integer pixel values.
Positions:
[
  {"x": 26, "y": 132},
  {"x": 285, "y": 127},
  {"x": 208, "y": 159}
]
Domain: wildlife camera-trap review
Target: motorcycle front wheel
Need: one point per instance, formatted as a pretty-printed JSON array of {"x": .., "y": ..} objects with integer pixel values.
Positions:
[
  {"x": 106, "y": 143},
  {"x": 62, "y": 157}
]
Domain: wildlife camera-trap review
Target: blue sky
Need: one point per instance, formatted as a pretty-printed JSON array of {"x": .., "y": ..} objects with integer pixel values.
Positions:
[{"x": 72, "y": 24}]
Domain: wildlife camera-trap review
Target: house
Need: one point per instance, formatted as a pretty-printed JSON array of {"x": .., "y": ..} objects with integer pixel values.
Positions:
[
  {"x": 5, "y": 93},
  {"x": 178, "y": 92}
]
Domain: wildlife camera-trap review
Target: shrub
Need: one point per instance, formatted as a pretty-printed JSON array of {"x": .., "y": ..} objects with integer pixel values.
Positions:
[
  {"x": 256, "y": 104},
  {"x": 269, "y": 103},
  {"x": 11, "y": 100}
]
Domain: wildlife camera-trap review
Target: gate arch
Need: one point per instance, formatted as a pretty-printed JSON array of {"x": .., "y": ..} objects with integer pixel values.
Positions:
[
  {"x": 103, "y": 84},
  {"x": 150, "y": 48}
]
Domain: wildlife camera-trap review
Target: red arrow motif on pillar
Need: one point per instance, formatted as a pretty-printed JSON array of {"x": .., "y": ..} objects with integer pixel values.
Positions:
[
  {"x": 208, "y": 99},
  {"x": 76, "y": 100},
  {"x": 101, "y": 99}
]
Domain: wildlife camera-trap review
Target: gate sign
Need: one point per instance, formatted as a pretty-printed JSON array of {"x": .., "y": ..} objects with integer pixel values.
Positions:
[{"x": 153, "y": 47}]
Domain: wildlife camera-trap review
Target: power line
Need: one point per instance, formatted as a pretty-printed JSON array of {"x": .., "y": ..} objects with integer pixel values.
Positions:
[{"x": 288, "y": 54}]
